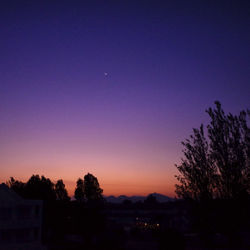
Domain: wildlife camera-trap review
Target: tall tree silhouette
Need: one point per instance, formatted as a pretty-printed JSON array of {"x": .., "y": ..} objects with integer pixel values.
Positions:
[
  {"x": 230, "y": 146},
  {"x": 79, "y": 191},
  {"x": 88, "y": 189},
  {"x": 92, "y": 190},
  {"x": 216, "y": 165},
  {"x": 61, "y": 192},
  {"x": 197, "y": 171},
  {"x": 41, "y": 188}
]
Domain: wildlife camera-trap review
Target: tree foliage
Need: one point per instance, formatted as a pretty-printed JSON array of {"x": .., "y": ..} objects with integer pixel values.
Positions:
[
  {"x": 92, "y": 188},
  {"x": 39, "y": 188},
  {"x": 17, "y": 186},
  {"x": 88, "y": 189},
  {"x": 79, "y": 191},
  {"x": 61, "y": 192},
  {"x": 216, "y": 165}
]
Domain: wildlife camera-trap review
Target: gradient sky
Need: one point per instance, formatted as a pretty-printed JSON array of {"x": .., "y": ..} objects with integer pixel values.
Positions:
[{"x": 113, "y": 87}]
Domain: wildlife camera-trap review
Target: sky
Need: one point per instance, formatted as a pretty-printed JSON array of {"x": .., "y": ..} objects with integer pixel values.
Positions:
[{"x": 113, "y": 87}]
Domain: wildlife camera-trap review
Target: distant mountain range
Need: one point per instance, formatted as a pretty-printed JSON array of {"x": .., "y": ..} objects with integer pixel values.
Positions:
[{"x": 121, "y": 198}]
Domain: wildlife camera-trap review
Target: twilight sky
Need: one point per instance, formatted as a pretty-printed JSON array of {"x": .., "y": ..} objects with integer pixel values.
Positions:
[{"x": 113, "y": 87}]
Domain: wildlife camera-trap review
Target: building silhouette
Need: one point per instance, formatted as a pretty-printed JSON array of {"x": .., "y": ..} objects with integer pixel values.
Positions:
[{"x": 20, "y": 221}]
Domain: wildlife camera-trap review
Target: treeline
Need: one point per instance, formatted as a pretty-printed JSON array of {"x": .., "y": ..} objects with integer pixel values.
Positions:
[
  {"x": 62, "y": 218},
  {"x": 42, "y": 188}
]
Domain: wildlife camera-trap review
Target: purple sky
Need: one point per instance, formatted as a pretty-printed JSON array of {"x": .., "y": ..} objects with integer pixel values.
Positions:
[{"x": 113, "y": 87}]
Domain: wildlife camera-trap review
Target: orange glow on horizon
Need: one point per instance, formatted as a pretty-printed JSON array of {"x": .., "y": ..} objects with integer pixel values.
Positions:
[
  {"x": 116, "y": 176},
  {"x": 124, "y": 184},
  {"x": 128, "y": 189}
]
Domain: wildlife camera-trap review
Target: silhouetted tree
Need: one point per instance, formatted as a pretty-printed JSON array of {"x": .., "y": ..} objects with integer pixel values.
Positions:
[
  {"x": 61, "y": 192},
  {"x": 17, "y": 186},
  {"x": 197, "y": 171},
  {"x": 230, "y": 151},
  {"x": 92, "y": 190},
  {"x": 36, "y": 187},
  {"x": 79, "y": 191},
  {"x": 40, "y": 188},
  {"x": 217, "y": 165}
]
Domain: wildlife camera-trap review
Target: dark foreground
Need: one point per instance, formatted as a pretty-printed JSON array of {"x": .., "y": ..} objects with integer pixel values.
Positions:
[{"x": 66, "y": 225}]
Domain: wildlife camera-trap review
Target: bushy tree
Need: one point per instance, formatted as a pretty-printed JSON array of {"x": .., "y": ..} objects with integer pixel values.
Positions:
[
  {"x": 40, "y": 188},
  {"x": 88, "y": 189},
  {"x": 61, "y": 192},
  {"x": 79, "y": 191},
  {"x": 216, "y": 165},
  {"x": 17, "y": 186},
  {"x": 92, "y": 190},
  {"x": 197, "y": 171},
  {"x": 229, "y": 137}
]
